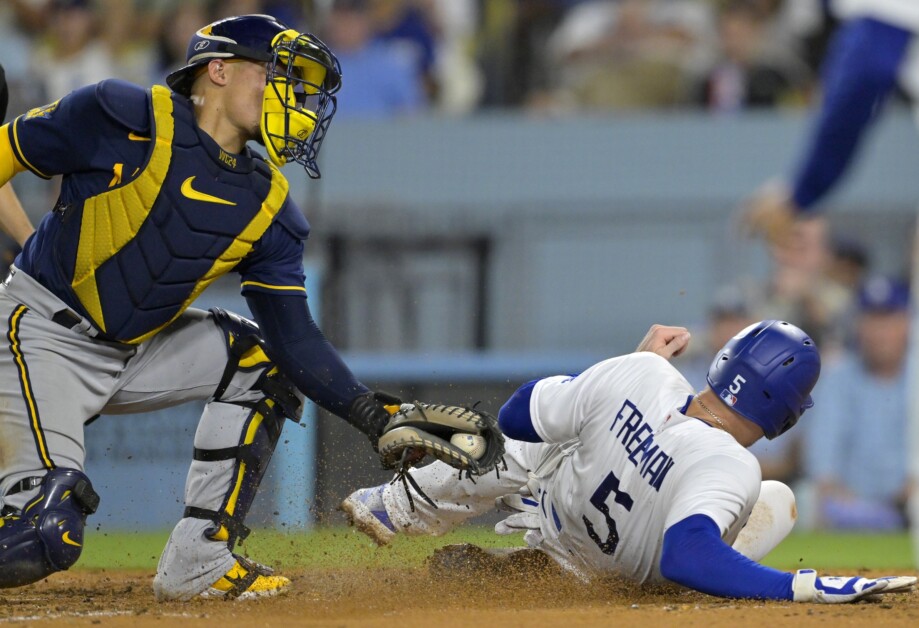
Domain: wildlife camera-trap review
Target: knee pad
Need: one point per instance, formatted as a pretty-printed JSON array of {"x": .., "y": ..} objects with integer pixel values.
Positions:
[
  {"x": 245, "y": 352},
  {"x": 47, "y": 536}
]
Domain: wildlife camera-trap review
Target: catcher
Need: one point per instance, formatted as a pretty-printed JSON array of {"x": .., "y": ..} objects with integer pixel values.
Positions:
[
  {"x": 160, "y": 196},
  {"x": 624, "y": 469}
]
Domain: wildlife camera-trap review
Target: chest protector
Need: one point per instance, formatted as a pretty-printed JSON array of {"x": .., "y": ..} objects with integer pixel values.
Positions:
[{"x": 146, "y": 249}]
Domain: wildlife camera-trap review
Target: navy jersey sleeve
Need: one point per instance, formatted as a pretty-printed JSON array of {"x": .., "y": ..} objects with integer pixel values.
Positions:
[
  {"x": 62, "y": 137},
  {"x": 302, "y": 352},
  {"x": 275, "y": 264}
]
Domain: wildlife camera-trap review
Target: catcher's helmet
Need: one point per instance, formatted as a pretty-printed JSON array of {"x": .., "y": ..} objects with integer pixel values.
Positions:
[
  {"x": 303, "y": 76},
  {"x": 766, "y": 373}
]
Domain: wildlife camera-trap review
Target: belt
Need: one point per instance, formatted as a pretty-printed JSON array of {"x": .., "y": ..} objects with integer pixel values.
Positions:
[
  {"x": 70, "y": 320},
  {"x": 66, "y": 318}
]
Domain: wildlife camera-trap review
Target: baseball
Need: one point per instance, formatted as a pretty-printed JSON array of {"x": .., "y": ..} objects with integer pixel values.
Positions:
[{"x": 470, "y": 443}]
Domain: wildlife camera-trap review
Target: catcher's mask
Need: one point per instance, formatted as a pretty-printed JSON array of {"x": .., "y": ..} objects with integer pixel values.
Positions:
[
  {"x": 303, "y": 76},
  {"x": 299, "y": 102}
]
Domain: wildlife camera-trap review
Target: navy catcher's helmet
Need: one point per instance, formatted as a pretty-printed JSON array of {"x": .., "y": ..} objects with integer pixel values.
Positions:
[
  {"x": 766, "y": 373},
  {"x": 246, "y": 36},
  {"x": 303, "y": 76}
]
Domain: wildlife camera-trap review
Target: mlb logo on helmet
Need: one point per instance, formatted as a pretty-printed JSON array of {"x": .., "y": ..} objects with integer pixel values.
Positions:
[{"x": 728, "y": 398}]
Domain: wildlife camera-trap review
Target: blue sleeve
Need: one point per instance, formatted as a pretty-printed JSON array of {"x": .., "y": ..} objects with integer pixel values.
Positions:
[
  {"x": 859, "y": 72},
  {"x": 301, "y": 351},
  {"x": 694, "y": 556},
  {"x": 514, "y": 417}
]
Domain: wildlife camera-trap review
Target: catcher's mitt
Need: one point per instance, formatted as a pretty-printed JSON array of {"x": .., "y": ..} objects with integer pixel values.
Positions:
[{"x": 421, "y": 429}]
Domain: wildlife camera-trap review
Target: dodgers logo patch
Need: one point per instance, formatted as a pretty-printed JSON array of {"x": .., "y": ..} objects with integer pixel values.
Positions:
[{"x": 728, "y": 398}]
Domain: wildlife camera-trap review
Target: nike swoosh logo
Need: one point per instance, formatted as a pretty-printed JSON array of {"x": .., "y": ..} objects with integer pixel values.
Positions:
[
  {"x": 137, "y": 138},
  {"x": 66, "y": 538},
  {"x": 189, "y": 192}
]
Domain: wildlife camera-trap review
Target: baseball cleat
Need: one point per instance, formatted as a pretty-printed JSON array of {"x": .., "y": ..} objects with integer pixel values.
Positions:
[
  {"x": 366, "y": 512},
  {"x": 247, "y": 580}
]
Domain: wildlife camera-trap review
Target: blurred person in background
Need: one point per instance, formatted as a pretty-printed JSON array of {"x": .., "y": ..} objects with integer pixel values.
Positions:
[
  {"x": 848, "y": 268},
  {"x": 750, "y": 70},
  {"x": 867, "y": 59},
  {"x": 855, "y": 444},
  {"x": 414, "y": 25},
  {"x": 382, "y": 77},
  {"x": 628, "y": 54},
  {"x": 798, "y": 290},
  {"x": 86, "y": 41},
  {"x": 179, "y": 24},
  {"x": 71, "y": 54}
]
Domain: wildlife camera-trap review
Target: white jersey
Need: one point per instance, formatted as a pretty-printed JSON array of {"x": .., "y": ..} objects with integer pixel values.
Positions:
[{"x": 641, "y": 467}]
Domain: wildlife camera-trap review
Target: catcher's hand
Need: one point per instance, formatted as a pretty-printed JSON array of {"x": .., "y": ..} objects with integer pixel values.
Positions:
[
  {"x": 466, "y": 439},
  {"x": 807, "y": 587}
]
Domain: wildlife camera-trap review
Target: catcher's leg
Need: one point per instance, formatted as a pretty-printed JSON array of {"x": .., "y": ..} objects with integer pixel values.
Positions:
[
  {"x": 382, "y": 511},
  {"x": 771, "y": 520},
  {"x": 235, "y": 439},
  {"x": 52, "y": 378}
]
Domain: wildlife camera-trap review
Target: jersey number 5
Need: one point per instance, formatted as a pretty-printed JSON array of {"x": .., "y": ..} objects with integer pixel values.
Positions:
[{"x": 610, "y": 484}]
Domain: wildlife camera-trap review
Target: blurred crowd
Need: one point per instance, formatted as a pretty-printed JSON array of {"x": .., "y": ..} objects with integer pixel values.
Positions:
[
  {"x": 456, "y": 56},
  {"x": 848, "y": 458},
  {"x": 460, "y": 56}
]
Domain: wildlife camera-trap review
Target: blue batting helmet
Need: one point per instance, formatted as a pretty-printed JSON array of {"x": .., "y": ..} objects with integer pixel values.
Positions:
[{"x": 766, "y": 373}]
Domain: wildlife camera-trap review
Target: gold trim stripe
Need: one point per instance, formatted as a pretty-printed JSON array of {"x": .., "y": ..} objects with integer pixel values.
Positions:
[
  {"x": 21, "y": 155},
  {"x": 259, "y": 284},
  {"x": 113, "y": 218},
  {"x": 26, "y": 386}
]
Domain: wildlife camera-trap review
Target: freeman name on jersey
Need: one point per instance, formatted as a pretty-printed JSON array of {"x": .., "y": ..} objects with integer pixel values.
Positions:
[{"x": 637, "y": 437}]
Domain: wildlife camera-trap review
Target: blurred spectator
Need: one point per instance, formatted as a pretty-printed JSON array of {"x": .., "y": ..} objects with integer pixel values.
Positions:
[
  {"x": 629, "y": 54},
  {"x": 72, "y": 54},
  {"x": 180, "y": 24},
  {"x": 750, "y": 72},
  {"x": 78, "y": 47},
  {"x": 378, "y": 78},
  {"x": 856, "y": 449},
  {"x": 413, "y": 25},
  {"x": 460, "y": 83},
  {"x": 848, "y": 267},
  {"x": 798, "y": 290}
]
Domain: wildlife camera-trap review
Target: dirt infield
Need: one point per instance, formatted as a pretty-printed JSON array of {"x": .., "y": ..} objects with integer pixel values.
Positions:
[{"x": 418, "y": 597}]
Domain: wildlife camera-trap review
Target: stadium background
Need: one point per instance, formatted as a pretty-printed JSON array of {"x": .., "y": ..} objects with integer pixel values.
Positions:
[{"x": 486, "y": 238}]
